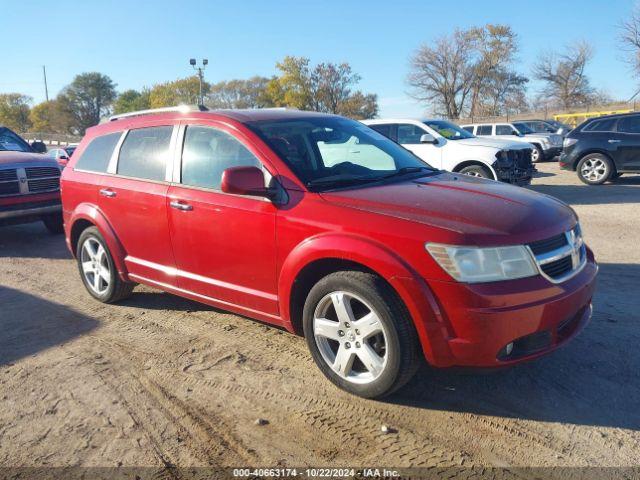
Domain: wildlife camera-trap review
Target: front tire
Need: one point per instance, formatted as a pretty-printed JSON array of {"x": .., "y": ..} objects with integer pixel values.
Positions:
[
  {"x": 477, "y": 171},
  {"x": 537, "y": 155},
  {"x": 595, "y": 169},
  {"x": 54, "y": 223},
  {"x": 97, "y": 269},
  {"x": 360, "y": 334}
]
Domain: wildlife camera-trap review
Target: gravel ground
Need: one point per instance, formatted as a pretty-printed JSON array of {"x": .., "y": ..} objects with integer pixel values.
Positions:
[{"x": 158, "y": 380}]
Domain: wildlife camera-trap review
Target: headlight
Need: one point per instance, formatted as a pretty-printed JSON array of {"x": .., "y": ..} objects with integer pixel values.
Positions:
[{"x": 474, "y": 265}]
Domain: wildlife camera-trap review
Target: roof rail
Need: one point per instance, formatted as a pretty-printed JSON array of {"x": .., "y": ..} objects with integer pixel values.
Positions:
[{"x": 179, "y": 108}]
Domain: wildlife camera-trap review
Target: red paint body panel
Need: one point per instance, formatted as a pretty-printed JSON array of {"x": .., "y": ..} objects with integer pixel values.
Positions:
[{"x": 244, "y": 253}]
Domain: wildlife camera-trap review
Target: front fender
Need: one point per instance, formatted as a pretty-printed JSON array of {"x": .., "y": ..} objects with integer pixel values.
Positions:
[
  {"x": 412, "y": 289},
  {"x": 91, "y": 213}
]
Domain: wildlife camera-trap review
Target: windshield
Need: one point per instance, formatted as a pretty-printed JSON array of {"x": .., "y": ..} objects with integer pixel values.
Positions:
[
  {"x": 331, "y": 152},
  {"x": 448, "y": 130},
  {"x": 12, "y": 142},
  {"x": 522, "y": 128}
]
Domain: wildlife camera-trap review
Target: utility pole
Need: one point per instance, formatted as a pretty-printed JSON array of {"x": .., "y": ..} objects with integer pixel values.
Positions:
[
  {"x": 200, "y": 72},
  {"x": 46, "y": 89}
]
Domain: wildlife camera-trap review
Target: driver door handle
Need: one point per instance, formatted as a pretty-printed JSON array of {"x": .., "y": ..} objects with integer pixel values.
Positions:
[
  {"x": 178, "y": 205},
  {"x": 107, "y": 192},
  {"x": 614, "y": 141}
]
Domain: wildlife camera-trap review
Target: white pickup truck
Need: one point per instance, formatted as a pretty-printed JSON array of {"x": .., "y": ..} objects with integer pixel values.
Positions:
[{"x": 445, "y": 145}]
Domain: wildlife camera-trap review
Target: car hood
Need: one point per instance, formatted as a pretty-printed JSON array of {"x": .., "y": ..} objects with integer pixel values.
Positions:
[
  {"x": 491, "y": 143},
  {"x": 9, "y": 157},
  {"x": 464, "y": 209}
]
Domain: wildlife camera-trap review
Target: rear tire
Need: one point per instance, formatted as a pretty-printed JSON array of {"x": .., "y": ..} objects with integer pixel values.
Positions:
[
  {"x": 477, "y": 171},
  {"x": 54, "y": 223},
  {"x": 595, "y": 169},
  {"x": 370, "y": 357},
  {"x": 97, "y": 269}
]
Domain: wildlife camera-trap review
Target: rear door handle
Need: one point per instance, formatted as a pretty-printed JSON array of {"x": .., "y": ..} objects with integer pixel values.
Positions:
[
  {"x": 614, "y": 141},
  {"x": 178, "y": 205},
  {"x": 107, "y": 192}
]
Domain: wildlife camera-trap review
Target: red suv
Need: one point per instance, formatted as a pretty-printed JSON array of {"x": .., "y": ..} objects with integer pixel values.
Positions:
[{"x": 325, "y": 227}]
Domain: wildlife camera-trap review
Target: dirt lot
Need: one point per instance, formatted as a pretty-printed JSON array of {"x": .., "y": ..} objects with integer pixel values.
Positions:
[{"x": 158, "y": 380}]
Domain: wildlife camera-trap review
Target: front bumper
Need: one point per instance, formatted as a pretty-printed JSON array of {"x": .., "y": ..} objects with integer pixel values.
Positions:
[
  {"x": 28, "y": 210},
  {"x": 533, "y": 314},
  {"x": 552, "y": 152},
  {"x": 514, "y": 175}
]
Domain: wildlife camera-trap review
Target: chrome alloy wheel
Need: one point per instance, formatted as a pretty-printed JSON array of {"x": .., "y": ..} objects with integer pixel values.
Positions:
[
  {"x": 95, "y": 266},
  {"x": 474, "y": 174},
  {"x": 594, "y": 169},
  {"x": 535, "y": 155},
  {"x": 350, "y": 336}
]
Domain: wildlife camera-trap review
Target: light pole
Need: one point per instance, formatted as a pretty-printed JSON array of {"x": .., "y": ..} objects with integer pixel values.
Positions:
[{"x": 200, "y": 71}]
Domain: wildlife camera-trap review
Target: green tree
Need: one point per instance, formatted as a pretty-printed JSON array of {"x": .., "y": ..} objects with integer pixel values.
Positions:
[
  {"x": 132, "y": 100},
  {"x": 250, "y": 93},
  {"x": 14, "y": 111},
  {"x": 50, "y": 117},
  {"x": 87, "y": 99},
  {"x": 182, "y": 91}
]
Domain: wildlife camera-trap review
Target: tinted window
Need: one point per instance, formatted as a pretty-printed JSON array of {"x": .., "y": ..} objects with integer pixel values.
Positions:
[
  {"x": 468, "y": 129},
  {"x": 208, "y": 152},
  {"x": 504, "y": 130},
  {"x": 409, "y": 134},
  {"x": 96, "y": 156},
  {"x": 483, "y": 130},
  {"x": 629, "y": 124},
  {"x": 145, "y": 152},
  {"x": 11, "y": 141},
  {"x": 383, "y": 129},
  {"x": 605, "y": 125}
]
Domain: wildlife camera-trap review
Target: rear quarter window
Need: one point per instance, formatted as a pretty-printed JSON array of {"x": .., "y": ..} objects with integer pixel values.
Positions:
[{"x": 96, "y": 156}]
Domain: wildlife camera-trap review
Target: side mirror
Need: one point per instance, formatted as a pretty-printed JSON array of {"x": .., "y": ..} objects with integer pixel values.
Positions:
[
  {"x": 244, "y": 181},
  {"x": 38, "y": 147},
  {"x": 428, "y": 138}
]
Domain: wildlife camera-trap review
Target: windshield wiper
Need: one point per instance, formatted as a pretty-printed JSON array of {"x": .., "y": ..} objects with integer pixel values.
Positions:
[
  {"x": 405, "y": 171},
  {"x": 338, "y": 182}
]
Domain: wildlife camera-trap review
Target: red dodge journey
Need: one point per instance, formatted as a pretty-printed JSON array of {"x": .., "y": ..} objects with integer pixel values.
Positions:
[{"x": 319, "y": 224}]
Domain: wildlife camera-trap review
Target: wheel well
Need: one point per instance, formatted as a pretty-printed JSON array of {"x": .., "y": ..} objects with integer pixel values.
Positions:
[
  {"x": 76, "y": 230},
  {"x": 469, "y": 163},
  {"x": 308, "y": 277}
]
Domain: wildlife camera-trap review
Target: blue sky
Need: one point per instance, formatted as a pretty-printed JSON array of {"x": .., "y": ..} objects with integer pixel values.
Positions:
[{"x": 140, "y": 43}]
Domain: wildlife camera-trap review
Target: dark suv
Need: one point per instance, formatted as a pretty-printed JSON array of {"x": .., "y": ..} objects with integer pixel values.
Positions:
[{"x": 603, "y": 148}]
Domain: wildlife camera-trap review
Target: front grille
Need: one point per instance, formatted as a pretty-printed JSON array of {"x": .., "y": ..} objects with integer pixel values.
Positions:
[
  {"x": 521, "y": 158},
  {"x": 9, "y": 188},
  {"x": 8, "y": 175},
  {"x": 549, "y": 244},
  {"x": 558, "y": 268},
  {"x": 44, "y": 185},
  {"x": 39, "y": 172},
  {"x": 561, "y": 256}
]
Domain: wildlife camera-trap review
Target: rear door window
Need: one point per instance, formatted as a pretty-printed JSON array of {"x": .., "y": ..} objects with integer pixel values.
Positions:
[
  {"x": 483, "y": 130},
  {"x": 96, "y": 156},
  {"x": 145, "y": 152},
  {"x": 629, "y": 124},
  {"x": 383, "y": 129}
]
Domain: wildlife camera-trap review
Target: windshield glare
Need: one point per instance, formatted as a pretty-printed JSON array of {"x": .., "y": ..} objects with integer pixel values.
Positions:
[
  {"x": 448, "y": 130},
  {"x": 12, "y": 142},
  {"x": 335, "y": 151}
]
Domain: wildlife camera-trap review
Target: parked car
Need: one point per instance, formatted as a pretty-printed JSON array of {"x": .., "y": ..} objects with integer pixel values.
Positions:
[
  {"x": 544, "y": 126},
  {"x": 603, "y": 148},
  {"x": 447, "y": 146},
  {"x": 60, "y": 155},
  {"x": 29, "y": 183},
  {"x": 377, "y": 259},
  {"x": 545, "y": 146}
]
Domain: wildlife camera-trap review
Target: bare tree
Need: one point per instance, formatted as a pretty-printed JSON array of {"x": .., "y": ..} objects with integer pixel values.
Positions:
[
  {"x": 469, "y": 71},
  {"x": 443, "y": 75},
  {"x": 630, "y": 39},
  {"x": 564, "y": 75}
]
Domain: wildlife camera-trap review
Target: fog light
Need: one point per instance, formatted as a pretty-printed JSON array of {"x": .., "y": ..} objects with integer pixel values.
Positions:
[{"x": 508, "y": 349}]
